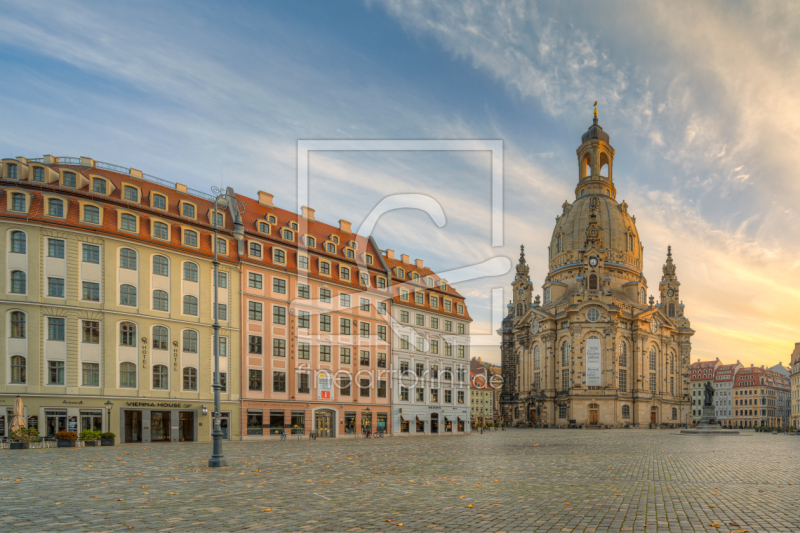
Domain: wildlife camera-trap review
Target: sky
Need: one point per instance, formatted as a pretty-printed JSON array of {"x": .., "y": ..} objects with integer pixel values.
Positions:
[{"x": 700, "y": 100}]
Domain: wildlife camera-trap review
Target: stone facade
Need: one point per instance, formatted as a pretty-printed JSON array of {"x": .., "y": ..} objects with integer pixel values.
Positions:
[{"x": 593, "y": 351}]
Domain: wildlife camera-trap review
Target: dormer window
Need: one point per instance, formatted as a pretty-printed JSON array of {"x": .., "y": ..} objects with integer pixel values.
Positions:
[
  {"x": 429, "y": 281},
  {"x": 368, "y": 259},
  {"x": 350, "y": 253},
  {"x": 279, "y": 256},
  {"x": 344, "y": 273},
  {"x": 131, "y": 193},
  {"x": 335, "y": 239},
  {"x": 159, "y": 201},
  {"x": 188, "y": 210},
  {"x": 381, "y": 283},
  {"x": 415, "y": 277},
  {"x": 311, "y": 242},
  {"x": 190, "y": 238},
  {"x": 293, "y": 225},
  {"x": 99, "y": 186},
  {"x": 38, "y": 174},
  {"x": 401, "y": 273},
  {"x": 272, "y": 219},
  {"x": 419, "y": 298},
  {"x": 287, "y": 234},
  {"x": 70, "y": 179},
  {"x": 18, "y": 202},
  {"x": 220, "y": 219},
  {"x": 364, "y": 278},
  {"x": 12, "y": 172},
  {"x": 255, "y": 249},
  {"x": 403, "y": 294},
  {"x": 263, "y": 227},
  {"x": 331, "y": 248},
  {"x": 128, "y": 222},
  {"x": 91, "y": 214},
  {"x": 443, "y": 285},
  {"x": 55, "y": 208}
]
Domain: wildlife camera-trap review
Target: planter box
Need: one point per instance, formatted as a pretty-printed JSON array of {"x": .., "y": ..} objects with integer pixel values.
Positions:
[
  {"x": 66, "y": 443},
  {"x": 20, "y": 445},
  {"x": 91, "y": 443},
  {"x": 106, "y": 442}
]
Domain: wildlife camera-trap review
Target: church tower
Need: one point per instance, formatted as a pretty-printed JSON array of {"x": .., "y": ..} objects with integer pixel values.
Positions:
[
  {"x": 522, "y": 286},
  {"x": 669, "y": 286},
  {"x": 596, "y": 163}
]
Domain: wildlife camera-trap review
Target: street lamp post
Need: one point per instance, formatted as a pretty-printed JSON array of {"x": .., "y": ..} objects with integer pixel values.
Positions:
[{"x": 108, "y": 405}]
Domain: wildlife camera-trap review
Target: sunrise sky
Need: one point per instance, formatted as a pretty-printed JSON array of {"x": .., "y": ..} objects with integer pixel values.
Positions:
[{"x": 700, "y": 100}]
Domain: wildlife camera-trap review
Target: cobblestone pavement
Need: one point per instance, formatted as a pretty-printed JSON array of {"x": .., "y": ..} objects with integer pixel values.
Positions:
[{"x": 515, "y": 480}]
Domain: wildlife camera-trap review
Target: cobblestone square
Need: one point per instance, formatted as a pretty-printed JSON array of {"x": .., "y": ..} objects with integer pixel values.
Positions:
[{"x": 515, "y": 480}]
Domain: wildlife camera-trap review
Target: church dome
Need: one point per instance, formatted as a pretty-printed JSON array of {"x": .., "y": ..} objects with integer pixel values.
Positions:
[{"x": 595, "y": 131}]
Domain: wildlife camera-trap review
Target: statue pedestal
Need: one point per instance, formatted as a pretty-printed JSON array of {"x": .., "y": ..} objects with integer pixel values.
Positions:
[{"x": 708, "y": 426}]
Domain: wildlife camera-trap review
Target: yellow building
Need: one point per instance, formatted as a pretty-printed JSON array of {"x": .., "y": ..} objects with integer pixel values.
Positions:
[
  {"x": 481, "y": 401},
  {"x": 108, "y": 302}
]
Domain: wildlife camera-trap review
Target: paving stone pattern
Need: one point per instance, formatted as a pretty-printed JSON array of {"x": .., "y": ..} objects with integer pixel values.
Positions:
[{"x": 515, "y": 480}]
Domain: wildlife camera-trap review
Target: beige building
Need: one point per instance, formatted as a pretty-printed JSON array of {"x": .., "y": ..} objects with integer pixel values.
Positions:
[
  {"x": 594, "y": 351},
  {"x": 108, "y": 302},
  {"x": 795, "y": 388},
  {"x": 481, "y": 401}
]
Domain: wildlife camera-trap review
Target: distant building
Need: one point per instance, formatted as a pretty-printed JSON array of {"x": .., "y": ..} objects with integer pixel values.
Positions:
[
  {"x": 723, "y": 393},
  {"x": 760, "y": 398},
  {"x": 795, "y": 387},
  {"x": 699, "y": 373},
  {"x": 481, "y": 400}
]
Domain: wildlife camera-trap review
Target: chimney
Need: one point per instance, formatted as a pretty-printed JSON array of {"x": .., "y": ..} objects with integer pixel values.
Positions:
[
  {"x": 135, "y": 173},
  {"x": 418, "y": 262},
  {"x": 751, "y": 365},
  {"x": 180, "y": 187},
  {"x": 265, "y": 199},
  {"x": 390, "y": 254},
  {"x": 308, "y": 213},
  {"x": 345, "y": 226},
  {"x": 404, "y": 259},
  {"x": 50, "y": 160}
]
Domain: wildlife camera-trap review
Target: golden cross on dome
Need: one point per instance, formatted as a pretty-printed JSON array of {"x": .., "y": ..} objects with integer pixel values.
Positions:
[{"x": 595, "y": 108}]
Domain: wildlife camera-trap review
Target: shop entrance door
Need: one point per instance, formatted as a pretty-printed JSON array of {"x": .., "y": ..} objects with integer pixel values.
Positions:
[
  {"x": 133, "y": 426},
  {"x": 159, "y": 426},
  {"x": 323, "y": 421},
  {"x": 186, "y": 426},
  {"x": 224, "y": 425},
  {"x": 55, "y": 421},
  {"x": 652, "y": 417},
  {"x": 434, "y": 422}
]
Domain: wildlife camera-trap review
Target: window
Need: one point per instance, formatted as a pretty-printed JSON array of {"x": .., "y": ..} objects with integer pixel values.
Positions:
[
  {"x": 565, "y": 353},
  {"x": 160, "y": 377},
  {"x": 381, "y": 360},
  {"x": 91, "y": 253},
  {"x": 420, "y": 394},
  {"x": 623, "y": 380},
  {"x": 420, "y": 344},
  {"x": 344, "y": 301},
  {"x": 279, "y": 286},
  {"x": 255, "y": 280},
  {"x": 222, "y": 280},
  {"x": 55, "y": 372},
  {"x": 188, "y": 210},
  {"x": 562, "y": 408},
  {"x": 91, "y": 291},
  {"x": 55, "y": 329},
  {"x": 160, "y": 230},
  {"x": 190, "y": 341},
  {"x": 127, "y": 334},
  {"x": 55, "y": 248},
  {"x": 364, "y": 359},
  {"x": 368, "y": 259},
  {"x": 160, "y": 265},
  {"x": 190, "y": 238},
  {"x": 278, "y": 315},
  {"x": 38, "y": 174},
  {"x": 190, "y": 272},
  {"x": 325, "y": 295},
  {"x": 403, "y": 294},
  {"x": 652, "y": 382},
  {"x": 461, "y": 351},
  {"x": 220, "y": 219},
  {"x": 623, "y": 354},
  {"x": 254, "y": 380},
  {"x": 448, "y": 306},
  {"x": 91, "y": 214},
  {"x": 254, "y": 311},
  {"x": 303, "y": 291},
  {"x": 18, "y": 325},
  {"x": 255, "y": 249},
  {"x": 128, "y": 222},
  {"x": 593, "y": 315},
  {"x": 324, "y": 268},
  {"x": 303, "y": 319},
  {"x": 382, "y": 333},
  {"x": 331, "y": 248},
  {"x": 381, "y": 308},
  {"x": 160, "y": 301},
  {"x": 434, "y": 395},
  {"x": 420, "y": 319},
  {"x": 404, "y": 394},
  {"x": 325, "y": 353},
  {"x": 17, "y": 201},
  {"x": 263, "y": 227},
  {"x": 91, "y": 375},
  {"x": 55, "y": 287},
  {"x": 324, "y": 322},
  {"x": 279, "y": 348},
  {"x": 434, "y": 301},
  {"x": 91, "y": 332},
  {"x": 652, "y": 358},
  {"x": 671, "y": 308},
  {"x": 279, "y": 382},
  {"x": 419, "y": 298},
  {"x": 381, "y": 389},
  {"x": 189, "y": 378},
  {"x": 18, "y": 369},
  {"x": 461, "y": 329},
  {"x": 222, "y": 246},
  {"x": 364, "y": 327},
  {"x": 364, "y": 305},
  {"x": 461, "y": 396},
  {"x": 279, "y": 256},
  {"x": 344, "y": 326},
  {"x": 190, "y": 305},
  {"x": 344, "y": 386},
  {"x": 127, "y": 295},
  {"x": 363, "y": 388},
  {"x": 404, "y": 317},
  {"x": 55, "y": 208},
  {"x": 381, "y": 283},
  {"x": 448, "y": 349},
  {"x": 127, "y": 259},
  {"x": 303, "y": 386},
  {"x": 287, "y": 235},
  {"x": 364, "y": 278},
  {"x": 350, "y": 254},
  {"x": 131, "y": 193},
  {"x": 345, "y": 273},
  {"x": 547, "y": 295},
  {"x": 448, "y": 326},
  {"x": 303, "y": 262},
  {"x": 69, "y": 179},
  {"x": 344, "y": 356},
  {"x": 159, "y": 201},
  {"x": 565, "y": 380}
]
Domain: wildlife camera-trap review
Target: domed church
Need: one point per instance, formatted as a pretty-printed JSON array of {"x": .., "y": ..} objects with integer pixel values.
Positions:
[{"x": 594, "y": 351}]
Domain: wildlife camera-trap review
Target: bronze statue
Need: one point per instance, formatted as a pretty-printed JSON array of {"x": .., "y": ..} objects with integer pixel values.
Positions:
[{"x": 709, "y": 390}]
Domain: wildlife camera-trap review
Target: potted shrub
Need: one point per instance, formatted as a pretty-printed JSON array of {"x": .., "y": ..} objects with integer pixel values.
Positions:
[
  {"x": 504, "y": 426},
  {"x": 90, "y": 438},
  {"x": 23, "y": 438},
  {"x": 107, "y": 438},
  {"x": 66, "y": 439}
]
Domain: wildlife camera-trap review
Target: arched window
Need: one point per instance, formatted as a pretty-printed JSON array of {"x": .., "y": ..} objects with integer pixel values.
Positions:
[
  {"x": 560, "y": 244},
  {"x": 190, "y": 341},
  {"x": 537, "y": 357},
  {"x": 415, "y": 277},
  {"x": 674, "y": 413},
  {"x": 18, "y": 242},
  {"x": 630, "y": 242},
  {"x": 623, "y": 354},
  {"x": 160, "y": 301},
  {"x": 91, "y": 214},
  {"x": 547, "y": 295},
  {"x": 127, "y": 334},
  {"x": 127, "y": 259},
  {"x": 127, "y": 295},
  {"x": 587, "y": 166},
  {"x": 18, "y": 284},
  {"x": 642, "y": 296},
  {"x": 18, "y": 325},
  {"x": 160, "y": 377},
  {"x": 18, "y": 369},
  {"x": 160, "y": 265},
  {"x": 626, "y": 411},
  {"x": 189, "y": 378},
  {"x": 653, "y": 358},
  {"x": 565, "y": 353},
  {"x": 190, "y": 237},
  {"x": 18, "y": 202},
  {"x": 160, "y": 338},
  {"x": 190, "y": 305},
  {"x": 519, "y": 309},
  {"x": 671, "y": 308},
  {"x": 160, "y": 230},
  {"x": 190, "y": 272},
  {"x": 128, "y": 222},
  {"x": 127, "y": 375},
  {"x": 593, "y": 282},
  {"x": 55, "y": 207}
]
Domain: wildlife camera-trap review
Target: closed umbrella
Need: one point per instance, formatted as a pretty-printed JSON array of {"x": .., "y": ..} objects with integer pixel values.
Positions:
[{"x": 18, "y": 418}]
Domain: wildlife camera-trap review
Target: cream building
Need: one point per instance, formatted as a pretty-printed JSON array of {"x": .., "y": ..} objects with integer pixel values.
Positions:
[
  {"x": 108, "y": 302},
  {"x": 795, "y": 388},
  {"x": 593, "y": 351}
]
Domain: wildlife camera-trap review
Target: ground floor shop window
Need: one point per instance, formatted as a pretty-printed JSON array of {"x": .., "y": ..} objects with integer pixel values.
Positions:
[
  {"x": 298, "y": 422},
  {"x": 224, "y": 425},
  {"x": 382, "y": 422},
  {"x": 55, "y": 421},
  {"x": 160, "y": 423},
  {"x": 366, "y": 422},
  {"x": 92, "y": 420},
  {"x": 404, "y": 425},
  {"x": 275, "y": 422},
  {"x": 254, "y": 422},
  {"x": 460, "y": 425},
  {"x": 349, "y": 423},
  {"x": 420, "y": 426},
  {"x": 448, "y": 425},
  {"x": 133, "y": 426},
  {"x": 186, "y": 426}
]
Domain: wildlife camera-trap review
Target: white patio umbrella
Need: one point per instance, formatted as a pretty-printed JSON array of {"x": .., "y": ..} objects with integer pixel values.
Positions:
[{"x": 18, "y": 417}]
